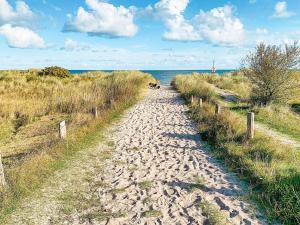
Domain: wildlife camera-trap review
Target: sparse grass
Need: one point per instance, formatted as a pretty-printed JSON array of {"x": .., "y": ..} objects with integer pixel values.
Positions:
[
  {"x": 132, "y": 168},
  {"x": 151, "y": 213},
  {"x": 147, "y": 200},
  {"x": 145, "y": 185},
  {"x": 69, "y": 203},
  {"x": 120, "y": 162},
  {"x": 135, "y": 149},
  {"x": 110, "y": 143},
  {"x": 105, "y": 155},
  {"x": 272, "y": 168},
  {"x": 118, "y": 191},
  {"x": 102, "y": 215},
  {"x": 32, "y": 106},
  {"x": 214, "y": 214},
  {"x": 198, "y": 183}
]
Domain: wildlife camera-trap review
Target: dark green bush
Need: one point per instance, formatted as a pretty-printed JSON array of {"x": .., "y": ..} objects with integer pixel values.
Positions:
[{"x": 55, "y": 71}]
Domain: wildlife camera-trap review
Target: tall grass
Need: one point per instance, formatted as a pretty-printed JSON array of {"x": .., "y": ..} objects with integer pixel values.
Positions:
[
  {"x": 234, "y": 82},
  {"x": 31, "y": 108},
  {"x": 272, "y": 169}
]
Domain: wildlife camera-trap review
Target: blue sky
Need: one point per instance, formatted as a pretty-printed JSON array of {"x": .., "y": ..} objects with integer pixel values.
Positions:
[{"x": 147, "y": 34}]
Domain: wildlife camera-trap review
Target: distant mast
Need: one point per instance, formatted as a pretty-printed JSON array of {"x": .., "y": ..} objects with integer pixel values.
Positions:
[{"x": 213, "y": 69}]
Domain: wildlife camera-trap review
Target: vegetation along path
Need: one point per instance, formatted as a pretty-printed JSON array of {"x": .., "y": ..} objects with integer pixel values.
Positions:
[
  {"x": 153, "y": 170},
  {"x": 284, "y": 139}
]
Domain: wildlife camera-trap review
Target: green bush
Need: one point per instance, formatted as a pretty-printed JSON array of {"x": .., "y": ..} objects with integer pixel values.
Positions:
[{"x": 55, "y": 71}]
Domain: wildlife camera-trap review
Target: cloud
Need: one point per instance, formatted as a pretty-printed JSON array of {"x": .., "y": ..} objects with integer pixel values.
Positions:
[
  {"x": 171, "y": 12},
  {"x": 252, "y": 1},
  {"x": 103, "y": 19},
  {"x": 281, "y": 10},
  {"x": 218, "y": 26},
  {"x": 21, "y": 37},
  {"x": 259, "y": 35},
  {"x": 71, "y": 45},
  {"x": 19, "y": 16},
  {"x": 261, "y": 31}
]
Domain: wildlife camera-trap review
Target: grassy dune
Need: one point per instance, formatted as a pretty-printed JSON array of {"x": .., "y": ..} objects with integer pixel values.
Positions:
[
  {"x": 272, "y": 168},
  {"x": 31, "y": 108}
]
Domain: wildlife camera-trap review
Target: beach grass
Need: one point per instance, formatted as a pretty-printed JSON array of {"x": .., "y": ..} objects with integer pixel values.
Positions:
[{"x": 31, "y": 108}]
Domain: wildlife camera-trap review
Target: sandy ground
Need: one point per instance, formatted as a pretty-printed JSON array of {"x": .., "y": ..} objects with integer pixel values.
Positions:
[{"x": 158, "y": 172}]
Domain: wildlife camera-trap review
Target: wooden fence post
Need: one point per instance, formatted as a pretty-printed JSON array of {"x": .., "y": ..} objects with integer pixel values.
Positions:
[
  {"x": 250, "y": 125},
  {"x": 95, "y": 112},
  {"x": 62, "y": 130},
  {"x": 200, "y": 102},
  {"x": 192, "y": 99},
  {"x": 218, "y": 109},
  {"x": 2, "y": 177},
  {"x": 111, "y": 103}
]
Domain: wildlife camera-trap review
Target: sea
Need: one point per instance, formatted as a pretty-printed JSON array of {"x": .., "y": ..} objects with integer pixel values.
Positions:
[{"x": 165, "y": 76}]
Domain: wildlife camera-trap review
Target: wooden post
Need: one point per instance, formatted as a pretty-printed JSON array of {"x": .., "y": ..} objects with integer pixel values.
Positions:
[
  {"x": 192, "y": 99},
  {"x": 95, "y": 112},
  {"x": 200, "y": 102},
  {"x": 250, "y": 125},
  {"x": 2, "y": 177},
  {"x": 218, "y": 109},
  {"x": 62, "y": 130},
  {"x": 111, "y": 103}
]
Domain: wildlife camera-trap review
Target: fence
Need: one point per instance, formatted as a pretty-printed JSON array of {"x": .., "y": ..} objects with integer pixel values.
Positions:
[{"x": 218, "y": 110}]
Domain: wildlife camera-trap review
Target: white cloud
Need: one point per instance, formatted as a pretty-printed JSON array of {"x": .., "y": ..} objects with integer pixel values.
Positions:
[
  {"x": 252, "y": 1},
  {"x": 220, "y": 26},
  {"x": 71, "y": 45},
  {"x": 259, "y": 35},
  {"x": 281, "y": 10},
  {"x": 19, "y": 16},
  {"x": 261, "y": 31},
  {"x": 171, "y": 12},
  {"x": 103, "y": 19},
  {"x": 21, "y": 37}
]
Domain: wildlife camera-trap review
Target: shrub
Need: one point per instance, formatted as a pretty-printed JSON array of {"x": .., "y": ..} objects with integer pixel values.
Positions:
[
  {"x": 271, "y": 71},
  {"x": 55, "y": 71}
]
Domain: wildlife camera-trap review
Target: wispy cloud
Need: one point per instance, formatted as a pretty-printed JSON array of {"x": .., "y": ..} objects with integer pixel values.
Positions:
[
  {"x": 72, "y": 45},
  {"x": 281, "y": 10}
]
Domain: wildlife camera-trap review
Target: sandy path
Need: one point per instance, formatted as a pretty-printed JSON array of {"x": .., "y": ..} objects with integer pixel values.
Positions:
[{"x": 159, "y": 173}]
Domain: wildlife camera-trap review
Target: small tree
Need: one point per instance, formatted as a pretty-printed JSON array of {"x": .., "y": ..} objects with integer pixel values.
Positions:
[
  {"x": 271, "y": 70},
  {"x": 55, "y": 71}
]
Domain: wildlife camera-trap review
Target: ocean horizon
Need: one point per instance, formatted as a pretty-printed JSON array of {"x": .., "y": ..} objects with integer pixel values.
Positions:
[{"x": 165, "y": 76}]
